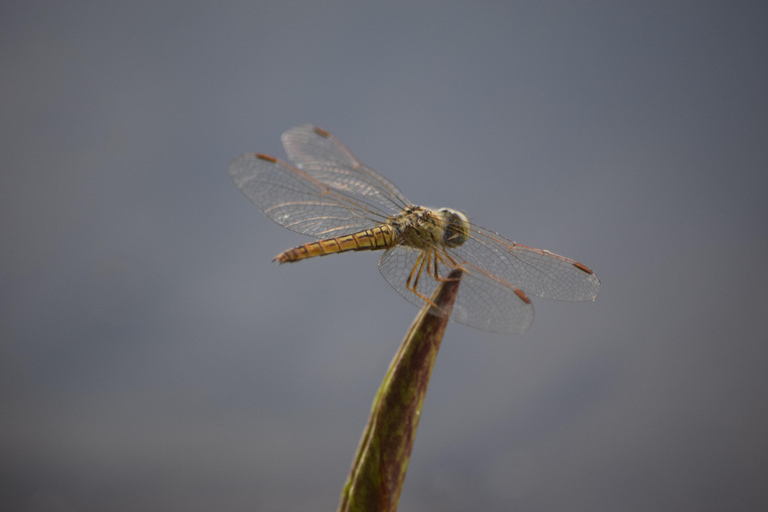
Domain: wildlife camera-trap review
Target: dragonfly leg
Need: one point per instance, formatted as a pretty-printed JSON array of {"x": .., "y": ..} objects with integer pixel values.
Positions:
[
  {"x": 453, "y": 262},
  {"x": 413, "y": 270},
  {"x": 424, "y": 259},
  {"x": 421, "y": 262},
  {"x": 450, "y": 258},
  {"x": 446, "y": 260}
]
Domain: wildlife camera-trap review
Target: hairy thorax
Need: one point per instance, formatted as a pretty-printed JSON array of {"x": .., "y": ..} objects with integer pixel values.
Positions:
[{"x": 423, "y": 228}]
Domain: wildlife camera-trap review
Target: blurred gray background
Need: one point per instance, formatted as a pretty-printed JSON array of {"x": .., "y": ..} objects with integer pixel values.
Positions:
[{"x": 152, "y": 358}]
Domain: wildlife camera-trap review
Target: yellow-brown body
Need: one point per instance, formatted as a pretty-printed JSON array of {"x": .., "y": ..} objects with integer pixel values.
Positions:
[
  {"x": 415, "y": 226},
  {"x": 380, "y": 237}
]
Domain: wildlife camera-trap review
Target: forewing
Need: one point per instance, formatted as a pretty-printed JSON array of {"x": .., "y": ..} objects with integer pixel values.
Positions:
[
  {"x": 536, "y": 272},
  {"x": 484, "y": 301},
  {"x": 324, "y": 158},
  {"x": 298, "y": 201}
]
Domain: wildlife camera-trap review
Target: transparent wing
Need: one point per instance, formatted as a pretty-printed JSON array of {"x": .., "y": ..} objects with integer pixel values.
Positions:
[
  {"x": 309, "y": 205},
  {"x": 534, "y": 271},
  {"x": 324, "y": 158},
  {"x": 496, "y": 270},
  {"x": 484, "y": 301}
]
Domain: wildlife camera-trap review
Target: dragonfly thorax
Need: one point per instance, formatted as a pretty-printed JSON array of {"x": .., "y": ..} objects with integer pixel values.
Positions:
[{"x": 422, "y": 227}]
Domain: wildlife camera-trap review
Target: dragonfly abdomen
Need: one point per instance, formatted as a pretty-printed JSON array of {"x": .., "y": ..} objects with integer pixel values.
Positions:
[{"x": 381, "y": 237}]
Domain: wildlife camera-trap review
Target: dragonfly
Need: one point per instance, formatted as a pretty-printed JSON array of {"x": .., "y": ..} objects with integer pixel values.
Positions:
[{"x": 328, "y": 194}]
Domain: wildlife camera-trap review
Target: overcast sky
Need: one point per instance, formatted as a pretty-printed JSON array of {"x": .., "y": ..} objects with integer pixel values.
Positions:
[{"x": 153, "y": 358}]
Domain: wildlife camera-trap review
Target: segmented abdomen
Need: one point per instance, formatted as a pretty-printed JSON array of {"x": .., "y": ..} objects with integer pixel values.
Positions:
[{"x": 381, "y": 237}]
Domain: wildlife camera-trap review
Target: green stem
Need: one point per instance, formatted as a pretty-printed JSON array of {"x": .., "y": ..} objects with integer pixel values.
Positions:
[{"x": 378, "y": 472}]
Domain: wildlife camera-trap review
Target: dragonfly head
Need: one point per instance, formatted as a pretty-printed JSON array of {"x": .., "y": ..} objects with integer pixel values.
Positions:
[{"x": 456, "y": 227}]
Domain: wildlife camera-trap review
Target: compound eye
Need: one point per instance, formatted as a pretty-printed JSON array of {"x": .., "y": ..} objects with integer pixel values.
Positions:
[{"x": 456, "y": 227}]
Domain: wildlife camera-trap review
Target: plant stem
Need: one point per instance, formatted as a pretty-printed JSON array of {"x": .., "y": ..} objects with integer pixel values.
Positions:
[{"x": 378, "y": 472}]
